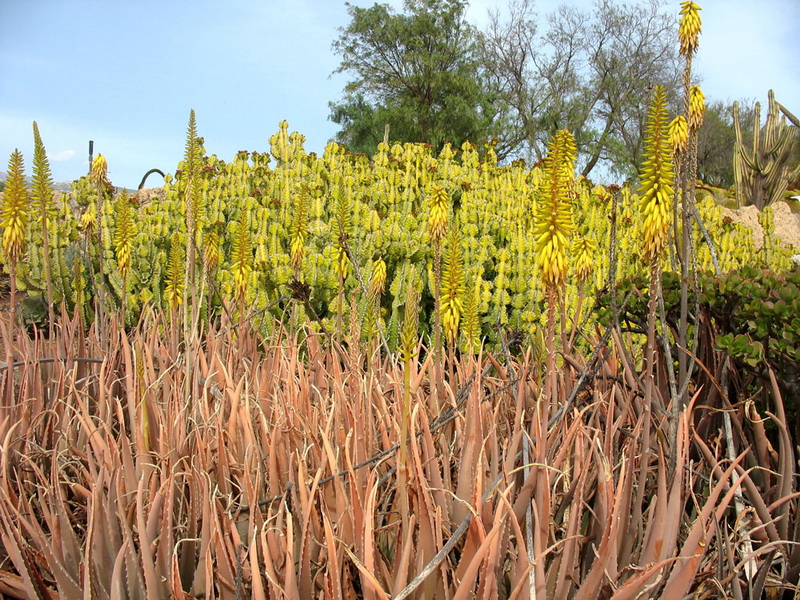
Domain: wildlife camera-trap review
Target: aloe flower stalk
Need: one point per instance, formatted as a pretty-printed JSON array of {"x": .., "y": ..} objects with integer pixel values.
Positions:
[
  {"x": 697, "y": 107},
  {"x": 689, "y": 28},
  {"x": 451, "y": 300},
  {"x": 584, "y": 250},
  {"x": 241, "y": 259},
  {"x": 124, "y": 234},
  {"x": 655, "y": 204},
  {"x": 552, "y": 228},
  {"x": 553, "y": 220},
  {"x": 408, "y": 345},
  {"x": 99, "y": 176},
  {"x": 437, "y": 217},
  {"x": 679, "y": 135},
  {"x": 437, "y": 229},
  {"x": 377, "y": 282},
  {"x": 15, "y": 220},
  {"x": 174, "y": 288},
  {"x": 471, "y": 328},
  {"x": 656, "y": 179},
  {"x": 299, "y": 230},
  {"x": 15, "y": 210},
  {"x": 43, "y": 198}
]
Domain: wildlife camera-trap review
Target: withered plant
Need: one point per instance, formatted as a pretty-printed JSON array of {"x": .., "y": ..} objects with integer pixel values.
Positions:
[{"x": 280, "y": 477}]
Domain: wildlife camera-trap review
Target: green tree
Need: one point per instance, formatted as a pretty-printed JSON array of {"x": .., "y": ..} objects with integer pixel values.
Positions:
[
  {"x": 588, "y": 72},
  {"x": 716, "y": 141},
  {"x": 417, "y": 73}
]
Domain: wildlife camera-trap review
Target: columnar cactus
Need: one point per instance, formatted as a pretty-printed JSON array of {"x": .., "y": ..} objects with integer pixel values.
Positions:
[{"x": 763, "y": 173}]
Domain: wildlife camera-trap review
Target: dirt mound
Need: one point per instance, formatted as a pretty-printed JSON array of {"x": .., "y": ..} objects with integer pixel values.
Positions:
[
  {"x": 146, "y": 195},
  {"x": 787, "y": 224}
]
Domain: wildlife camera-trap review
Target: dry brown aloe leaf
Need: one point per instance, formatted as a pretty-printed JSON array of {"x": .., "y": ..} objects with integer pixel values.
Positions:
[
  {"x": 633, "y": 585},
  {"x": 373, "y": 588},
  {"x": 270, "y": 561},
  {"x": 118, "y": 582},
  {"x": 567, "y": 564},
  {"x": 290, "y": 577},
  {"x": 257, "y": 585},
  {"x": 466, "y": 584},
  {"x": 20, "y": 557},
  {"x": 203, "y": 567},
  {"x": 13, "y": 586},
  {"x": 309, "y": 513},
  {"x": 604, "y": 563},
  {"x": 694, "y": 545},
  {"x": 752, "y": 491},
  {"x": 151, "y": 577},
  {"x": 333, "y": 567}
]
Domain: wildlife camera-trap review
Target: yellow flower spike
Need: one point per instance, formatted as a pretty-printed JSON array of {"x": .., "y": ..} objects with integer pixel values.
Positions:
[
  {"x": 679, "y": 135},
  {"x": 471, "y": 328},
  {"x": 15, "y": 207},
  {"x": 410, "y": 329},
  {"x": 584, "y": 250},
  {"x": 655, "y": 188},
  {"x": 241, "y": 258},
  {"x": 377, "y": 282},
  {"x": 297, "y": 252},
  {"x": 451, "y": 300},
  {"x": 100, "y": 171},
  {"x": 299, "y": 230},
  {"x": 689, "y": 28},
  {"x": 553, "y": 219},
  {"x": 173, "y": 292},
  {"x": 697, "y": 107},
  {"x": 437, "y": 217},
  {"x": 124, "y": 233},
  {"x": 213, "y": 248}
]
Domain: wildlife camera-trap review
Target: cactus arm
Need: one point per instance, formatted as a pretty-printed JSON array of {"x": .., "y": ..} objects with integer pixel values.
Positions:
[{"x": 795, "y": 121}]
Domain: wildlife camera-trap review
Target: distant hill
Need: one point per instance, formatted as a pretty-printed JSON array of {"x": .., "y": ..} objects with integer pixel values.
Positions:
[{"x": 60, "y": 186}]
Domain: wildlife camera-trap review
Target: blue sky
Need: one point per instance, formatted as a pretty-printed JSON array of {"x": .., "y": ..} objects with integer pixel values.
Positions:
[{"x": 126, "y": 73}]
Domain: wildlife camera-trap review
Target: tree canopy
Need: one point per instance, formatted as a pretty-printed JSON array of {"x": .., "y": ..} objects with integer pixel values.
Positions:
[
  {"x": 589, "y": 72},
  {"x": 432, "y": 77},
  {"x": 417, "y": 72}
]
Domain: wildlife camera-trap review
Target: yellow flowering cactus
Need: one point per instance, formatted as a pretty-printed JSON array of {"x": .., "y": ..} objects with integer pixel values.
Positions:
[{"x": 514, "y": 224}]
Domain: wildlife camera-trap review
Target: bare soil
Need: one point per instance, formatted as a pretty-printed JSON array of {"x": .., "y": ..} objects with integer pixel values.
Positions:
[{"x": 787, "y": 224}]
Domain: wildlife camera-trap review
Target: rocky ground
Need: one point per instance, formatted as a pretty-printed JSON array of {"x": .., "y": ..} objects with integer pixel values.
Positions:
[{"x": 787, "y": 224}]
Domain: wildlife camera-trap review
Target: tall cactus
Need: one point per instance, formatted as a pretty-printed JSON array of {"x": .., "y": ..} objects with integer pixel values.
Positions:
[{"x": 763, "y": 174}]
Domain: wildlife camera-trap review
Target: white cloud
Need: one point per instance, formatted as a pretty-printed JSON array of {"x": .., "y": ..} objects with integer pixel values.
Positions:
[{"x": 63, "y": 156}]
